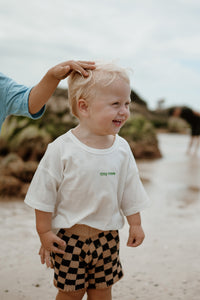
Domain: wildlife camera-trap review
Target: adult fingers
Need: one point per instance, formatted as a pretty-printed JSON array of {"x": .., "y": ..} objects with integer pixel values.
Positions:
[
  {"x": 80, "y": 66},
  {"x": 87, "y": 64},
  {"x": 84, "y": 66},
  {"x": 73, "y": 64}
]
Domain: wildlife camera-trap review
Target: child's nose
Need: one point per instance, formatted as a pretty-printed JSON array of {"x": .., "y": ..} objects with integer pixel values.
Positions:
[{"x": 123, "y": 111}]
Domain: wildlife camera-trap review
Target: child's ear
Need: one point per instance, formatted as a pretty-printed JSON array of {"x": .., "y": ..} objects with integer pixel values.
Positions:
[{"x": 83, "y": 106}]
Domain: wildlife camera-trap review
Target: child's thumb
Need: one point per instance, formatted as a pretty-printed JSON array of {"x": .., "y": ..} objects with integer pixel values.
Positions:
[
  {"x": 131, "y": 241},
  {"x": 60, "y": 242}
]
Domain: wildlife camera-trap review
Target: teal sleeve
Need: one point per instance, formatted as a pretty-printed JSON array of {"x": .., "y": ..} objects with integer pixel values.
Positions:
[{"x": 14, "y": 99}]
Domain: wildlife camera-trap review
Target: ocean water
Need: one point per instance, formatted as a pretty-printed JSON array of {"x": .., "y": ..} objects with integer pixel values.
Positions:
[{"x": 177, "y": 174}]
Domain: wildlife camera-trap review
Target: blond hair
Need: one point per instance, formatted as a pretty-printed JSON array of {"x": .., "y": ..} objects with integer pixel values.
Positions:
[{"x": 84, "y": 87}]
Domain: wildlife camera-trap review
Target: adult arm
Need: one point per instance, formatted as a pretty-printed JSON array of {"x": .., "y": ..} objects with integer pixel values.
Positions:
[{"x": 41, "y": 93}]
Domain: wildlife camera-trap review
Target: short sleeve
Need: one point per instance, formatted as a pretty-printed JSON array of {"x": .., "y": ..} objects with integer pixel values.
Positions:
[
  {"x": 42, "y": 192},
  {"x": 14, "y": 98},
  {"x": 135, "y": 197}
]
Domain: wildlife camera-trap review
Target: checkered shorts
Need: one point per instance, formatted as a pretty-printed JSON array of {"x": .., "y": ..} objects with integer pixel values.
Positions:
[{"x": 91, "y": 259}]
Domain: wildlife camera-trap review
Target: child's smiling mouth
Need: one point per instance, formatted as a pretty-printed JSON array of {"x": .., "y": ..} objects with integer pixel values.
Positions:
[{"x": 118, "y": 122}]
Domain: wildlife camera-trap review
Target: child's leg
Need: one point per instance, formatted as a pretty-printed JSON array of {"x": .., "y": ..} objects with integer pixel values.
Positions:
[
  {"x": 70, "y": 295},
  {"x": 197, "y": 145},
  {"x": 190, "y": 144},
  {"x": 100, "y": 294}
]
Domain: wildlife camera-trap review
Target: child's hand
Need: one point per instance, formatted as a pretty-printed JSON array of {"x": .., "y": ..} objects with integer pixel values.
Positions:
[
  {"x": 136, "y": 236},
  {"x": 51, "y": 242},
  {"x": 45, "y": 257},
  {"x": 62, "y": 70}
]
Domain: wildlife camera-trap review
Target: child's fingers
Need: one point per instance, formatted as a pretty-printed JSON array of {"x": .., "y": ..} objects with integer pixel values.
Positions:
[
  {"x": 42, "y": 255},
  {"x": 45, "y": 257},
  {"x": 130, "y": 242},
  {"x": 133, "y": 242},
  {"x": 138, "y": 242},
  {"x": 40, "y": 251},
  {"x": 58, "y": 245},
  {"x": 48, "y": 259},
  {"x": 48, "y": 262},
  {"x": 57, "y": 250},
  {"x": 59, "y": 242}
]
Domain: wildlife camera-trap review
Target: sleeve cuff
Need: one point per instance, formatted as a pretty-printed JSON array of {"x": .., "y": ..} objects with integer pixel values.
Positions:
[
  {"x": 39, "y": 113},
  {"x": 135, "y": 210},
  {"x": 38, "y": 206}
]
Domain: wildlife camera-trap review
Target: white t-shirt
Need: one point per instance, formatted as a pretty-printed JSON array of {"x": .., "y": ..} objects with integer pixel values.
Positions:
[{"x": 84, "y": 185}]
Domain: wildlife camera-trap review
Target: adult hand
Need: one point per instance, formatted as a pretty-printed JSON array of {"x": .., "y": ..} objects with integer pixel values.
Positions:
[{"x": 62, "y": 70}]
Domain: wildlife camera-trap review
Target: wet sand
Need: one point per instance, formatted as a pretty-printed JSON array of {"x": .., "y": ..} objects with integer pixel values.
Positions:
[{"x": 166, "y": 266}]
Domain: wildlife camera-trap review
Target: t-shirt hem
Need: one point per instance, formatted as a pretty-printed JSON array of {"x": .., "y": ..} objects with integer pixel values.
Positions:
[
  {"x": 135, "y": 210},
  {"x": 57, "y": 227}
]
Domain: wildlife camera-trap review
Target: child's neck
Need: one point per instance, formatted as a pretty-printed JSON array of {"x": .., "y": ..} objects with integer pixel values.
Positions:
[{"x": 93, "y": 140}]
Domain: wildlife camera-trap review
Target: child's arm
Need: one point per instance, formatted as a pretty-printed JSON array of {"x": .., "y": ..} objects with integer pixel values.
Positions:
[
  {"x": 136, "y": 233},
  {"x": 47, "y": 237},
  {"x": 41, "y": 93}
]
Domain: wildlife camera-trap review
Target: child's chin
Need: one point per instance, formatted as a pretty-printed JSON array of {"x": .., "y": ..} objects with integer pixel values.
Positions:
[{"x": 116, "y": 130}]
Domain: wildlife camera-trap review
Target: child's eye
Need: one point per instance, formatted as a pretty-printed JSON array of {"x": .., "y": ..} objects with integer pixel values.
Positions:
[{"x": 115, "y": 103}]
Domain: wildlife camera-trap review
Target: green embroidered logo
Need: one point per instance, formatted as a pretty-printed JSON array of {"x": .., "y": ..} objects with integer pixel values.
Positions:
[{"x": 107, "y": 173}]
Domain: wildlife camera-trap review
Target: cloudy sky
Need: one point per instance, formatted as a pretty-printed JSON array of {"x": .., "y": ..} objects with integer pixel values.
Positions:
[{"x": 158, "y": 39}]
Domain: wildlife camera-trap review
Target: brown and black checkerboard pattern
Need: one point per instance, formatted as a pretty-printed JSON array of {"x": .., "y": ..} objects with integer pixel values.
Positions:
[{"x": 89, "y": 262}]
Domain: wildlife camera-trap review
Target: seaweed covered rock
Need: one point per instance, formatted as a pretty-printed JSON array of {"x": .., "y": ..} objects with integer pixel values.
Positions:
[
  {"x": 9, "y": 186},
  {"x": 141, "y": 136},
  {"x": 15, "y": 174}
]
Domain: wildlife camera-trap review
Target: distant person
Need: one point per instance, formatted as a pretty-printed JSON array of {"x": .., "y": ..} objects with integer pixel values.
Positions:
[
  {"x": 193, "y": 119},
  {"x": 17, "y": 99},
  {"x": 85, "y": 184}
]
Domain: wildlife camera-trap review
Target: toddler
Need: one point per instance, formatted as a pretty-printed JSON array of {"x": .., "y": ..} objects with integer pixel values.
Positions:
[{"x": 85, "y": 184}]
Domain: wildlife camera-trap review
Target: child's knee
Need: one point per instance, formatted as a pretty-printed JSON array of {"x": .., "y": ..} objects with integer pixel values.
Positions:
[
  {"x": 99, "y": 294},
  {"x": 74, "y": 295}
]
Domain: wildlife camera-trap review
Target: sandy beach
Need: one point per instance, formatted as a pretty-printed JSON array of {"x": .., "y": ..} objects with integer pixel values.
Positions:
[{"x": 165, "y": 267}]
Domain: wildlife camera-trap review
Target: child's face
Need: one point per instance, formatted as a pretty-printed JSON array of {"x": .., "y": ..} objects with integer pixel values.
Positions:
[{"x": 109, "y": 108}]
